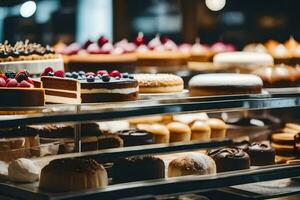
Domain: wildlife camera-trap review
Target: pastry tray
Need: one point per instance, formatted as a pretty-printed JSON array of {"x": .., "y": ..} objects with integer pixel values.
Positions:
[{"x": 157, "y": 187}]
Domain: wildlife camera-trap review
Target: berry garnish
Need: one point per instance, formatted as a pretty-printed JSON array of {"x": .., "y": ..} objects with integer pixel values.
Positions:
[
  {"x": 2, "y": 82},
  {"x": 87, "y": 44},
  {"x": 90, "y": 79},
  {"x": 3, "y": 76},
  {"x": 30, "y": 81},
  {"x": 131, "y": 77},
  {"x": 25, "y": 84},
  {"x": 50, "y": 74},
  {"x": 125, "y": 75},
  {"x": 102, "y": 40},
  {"x": 81, "y": 73},
  {"x": 115, "y": 73},
  {"x": 21, "y": 76},
  {"x": 59, "y": 73},
  {"x": 12, "y": 83},
  {"x": 68, "y": 74},
  {"x": 46, "y": 71},
  {"x": 10, "y": 74},
  {"x": 105, "y": 78},
  {"x": 90, "y": 74},
  {"x": 102, "y": 72},
  {"x": 74, "y": 75},
  {"x": 139, "y": 40}
]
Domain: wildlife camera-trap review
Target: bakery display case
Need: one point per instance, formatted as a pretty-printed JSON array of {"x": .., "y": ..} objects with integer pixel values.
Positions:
[{"x": 233, "y": 184}]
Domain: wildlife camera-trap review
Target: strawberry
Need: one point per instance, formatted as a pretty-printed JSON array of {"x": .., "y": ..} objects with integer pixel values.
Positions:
[
  {"x": 59, "y": 73},
  {"x": 25, "y": 84},
  {"x": 115, "y": 73},
  {"x": 2, "y": 82},
  {"x": 90, "y": 74},
  {"x": 46, "y": 71},
  {"x": 12, "y": 83},
  {"x": 102, "y": 72}
]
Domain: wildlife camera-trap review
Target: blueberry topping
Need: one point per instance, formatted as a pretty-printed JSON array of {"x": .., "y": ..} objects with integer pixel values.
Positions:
[
  {"x": 125, "y": 75},
  {"x": 15, "y": 54},
  {"x": 10, "y": 74},
  {"x": 90, "y": 79},
  {"x": 68, "y": 75},
  {"x": 81, "y": 73},
  {"x": 105, "y": 78},
  {"x": 74, "y": 75},
  {"x": 50, "y": 74},
  {"x": 131, "y": 77}
]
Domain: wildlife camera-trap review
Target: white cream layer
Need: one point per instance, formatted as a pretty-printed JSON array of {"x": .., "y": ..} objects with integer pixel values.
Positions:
[
  {"x": 115, "y": 91},
  {"x": 58, "y": 99}
]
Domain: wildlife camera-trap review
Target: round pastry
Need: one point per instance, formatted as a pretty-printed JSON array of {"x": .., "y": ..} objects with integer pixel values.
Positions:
[
  {"x": 280, "y": 54},
  {"x": 138, "y": 168},
  {"x": 160, "y": 132},
  {"x": 285, "y": 146},
  {"x": 242, "y": 61},
  {"x": 179, "y": 132},
  {"x": 72, "y": 174},
  {"x": 277, "y": 76},
  {"x": 23, "y": 170},
  {"x": 229, "y": 159},
  {"x": 217, "y": 127},
  {"x": 192, "y": 163},
  {"x": 159, "y": 83},
  {"x": 260, "y": 48},
  {"x": 224, "y": 84},
  {"x": 135, "y": 137},
  {"x": 109, "y": 141},
  {"x": 200, "y": 131},
  {"x": 261, "y": 154}
]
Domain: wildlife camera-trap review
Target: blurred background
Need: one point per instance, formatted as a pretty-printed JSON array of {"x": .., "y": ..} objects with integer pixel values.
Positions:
[{"x": 234, "y": 21}]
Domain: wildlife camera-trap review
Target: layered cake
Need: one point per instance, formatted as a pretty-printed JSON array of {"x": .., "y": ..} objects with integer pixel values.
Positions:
[
  {"x": 30, "y": 56},
  {"x": 71, "y": 174},
  {"x": 18, "y": 90},
  {"x": 159, "y": 83},
  {"x": 225, "y": 84},
  {"x": 81, "y": 87}
]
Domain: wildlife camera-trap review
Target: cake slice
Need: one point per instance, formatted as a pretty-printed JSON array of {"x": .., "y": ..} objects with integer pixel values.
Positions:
[{"x": 81, "y": 87}]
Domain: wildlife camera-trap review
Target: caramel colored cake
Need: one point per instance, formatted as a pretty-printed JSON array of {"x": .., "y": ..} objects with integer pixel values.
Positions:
[
  {"x": 224, "y": 84},
  {"x": 72, "y": 174},
  {"x": 81, "y": 87},
  {"x": 18, "y": 90},
  {"x": 159, "y": 83},
  {"x": 192, "y": 163}
]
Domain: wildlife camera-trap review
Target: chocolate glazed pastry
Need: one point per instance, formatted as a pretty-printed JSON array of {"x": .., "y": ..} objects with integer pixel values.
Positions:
[
  {"x": 135, "y": 137},
  {"x": 138, "y": 168},
  {"x": 230, "y": 158},
  {"x": 261, "y": 154}
]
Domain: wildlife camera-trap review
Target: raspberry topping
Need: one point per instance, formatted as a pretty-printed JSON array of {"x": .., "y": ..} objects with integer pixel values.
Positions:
[
  {"x": 47, "y": 70},
  {"x": 115, "y": 73},
  {"x": 102, "y": 72},
  {"x": 90, "y": 74},
  {"x": 3, "y": 76},
  {"x": 59, "y": 73},
  {"x": 12, "y": 83},
  {"x": 2, "y": 82},
  {"x": 30, "y": 81},
  {"x": 25, "y": 84}
]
